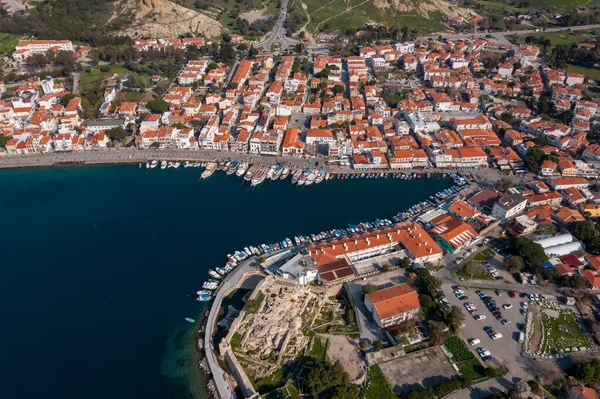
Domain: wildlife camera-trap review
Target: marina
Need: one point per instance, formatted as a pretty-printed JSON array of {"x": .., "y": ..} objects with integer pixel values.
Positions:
[
  {"x": 184, "y": 227},
  {"x": 256, "y": 174}
]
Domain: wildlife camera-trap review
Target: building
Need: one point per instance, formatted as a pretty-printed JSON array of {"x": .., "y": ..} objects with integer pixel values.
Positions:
[
  {"x": 452, "y": 234},
  {"x": 26, "y": 48},
  {"x": 509, "y": 206},
  {"x": 97, "y": 125},
  {"x": 393, "y": 305},
  {"x": 593, "y": 279}
]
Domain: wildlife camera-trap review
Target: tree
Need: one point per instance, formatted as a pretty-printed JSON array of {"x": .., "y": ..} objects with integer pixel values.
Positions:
[
  {"x": 155, "y": 144},
  {"x": 325, "y": 72},
  {"x": 422, "y": 393},
  {"x": 438, "y": 332},
  {"x": 533, "y": 254},
  {"x": 588, "y": 372},
  {"x": 327, "y": 381},
  {"x": 514, "y": 264},
  {"x": 504, "y": 184},
  {"x": 3, "y": 140},
  {"x": 454, "y": 317},
  {"x": 116, "y": 133},
  {"x": 369, "y": 289},
  {"x": 495, "y": 372},
  {"x": 338, "y": 88},
  {"x": 252, "y": 52},
  {"x": 428, "y": 305},
  {"x": 377, "y": 345},
  {"x": 405, "y": 263},
  {"x": 158, "y": 106},
  {"x": 447, "y": 387},
  {"x": 429, "y": 284}
]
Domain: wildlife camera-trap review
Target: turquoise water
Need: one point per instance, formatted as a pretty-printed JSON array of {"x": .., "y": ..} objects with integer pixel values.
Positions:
[{"x": 100, "y": 266}]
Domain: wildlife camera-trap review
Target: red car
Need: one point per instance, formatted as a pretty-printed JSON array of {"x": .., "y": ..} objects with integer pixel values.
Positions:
[
  {"x": 497, "y": 314},
  {"x": 511, "y": 294}
]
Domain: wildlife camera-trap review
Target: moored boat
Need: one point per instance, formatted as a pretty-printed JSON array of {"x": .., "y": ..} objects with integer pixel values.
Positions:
[
  {"x": 233, "y": 167},
  {"x": 153, "y": 164},
  {"x": 163, "y": 165},
  {"x": 259, "y": 176},
  {"x": 251, "y": 171},
  {"x": 296, "y": 176},
  {"x": 210, "y": 169},
  {"x": 310, "y": 179},
  {"x": 320, "y": 177},
  {"x": 242, "y": 168},
  {"x": 285, "y": 173}
]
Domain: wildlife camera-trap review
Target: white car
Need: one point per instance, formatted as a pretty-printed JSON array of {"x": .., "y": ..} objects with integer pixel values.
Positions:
[
  {"x": 474, "y": 341},
  {"x": 524, "y": 305},
  {"x": 507, "y": 306},
  {"x": 483, "y": 352},
  {"x": 496, "y": 336},
  {"x": 505, "y": 322},
  {"x": 479, "y": 317}
]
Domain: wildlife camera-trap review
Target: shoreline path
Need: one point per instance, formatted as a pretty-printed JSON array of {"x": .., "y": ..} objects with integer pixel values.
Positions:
[{"x": 130, "y": 156}]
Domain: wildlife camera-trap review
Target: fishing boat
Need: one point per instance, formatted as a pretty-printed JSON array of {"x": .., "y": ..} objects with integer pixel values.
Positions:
[
  {"x": 251, "y": 171},
  {"x": 220, "y": 271},
  {"x": 233, "y": 167},
  {"x": 153, "y": 164},
  {"x": 204, "y": 297},
  {"x": 190, "y": 320},
  {"x": 328, "y": 176},
  {"x": 277, "y": 174},
  {"x": 226, "y": 167},
  {"x": 221, "y": 165},
  {"x": 310, "y": 179},
  {"x": 320, "y": 177},
  {"x": 209, "y": 286},
  {"x": 210, "y": 169},
  {"x": 296, "y": 176},
  {"x": 302, "y": 179},
  {"x": 241, "y": 169},
  {"x": 271, "y": 173},
  {"x": 284, "y": 173},
  {"x": 259, "y": 176},
  {"x": 214, "y": 274}
]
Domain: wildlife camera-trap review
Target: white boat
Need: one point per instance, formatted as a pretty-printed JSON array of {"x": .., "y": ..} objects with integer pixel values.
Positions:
[
  {"x": 210, "y": 169},
  {"x": 242, "y": 168},
  {"x": 214, "y": 274},
  {"x": 221, "y": 271},
  {"x": 278, "y": 172},
  {"x": 153, "y": 164},
  {"x": 171, "y": 165},
  {"x": 285, "y": 173},
  {"x": 310, "y": 179},
  {"x": 259, "y": 176},
  {"x": 320, "y": 177},
  {"x": 271, "y": 173},
  {"x": 176, "y": 165},
  {"x": 163, "y": 165},
  {"x": 251, "y": 171},
  {"x": 147, "y": 165}
]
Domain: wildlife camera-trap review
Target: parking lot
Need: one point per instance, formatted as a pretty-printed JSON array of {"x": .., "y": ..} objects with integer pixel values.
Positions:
[{"x": 505, "y": 350}]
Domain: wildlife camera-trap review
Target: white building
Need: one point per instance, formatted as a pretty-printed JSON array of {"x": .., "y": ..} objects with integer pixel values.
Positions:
[{"x": 508, "y": 207}]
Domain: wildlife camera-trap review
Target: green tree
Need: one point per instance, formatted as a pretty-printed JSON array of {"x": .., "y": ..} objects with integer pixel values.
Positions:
[
  {"x": 3, "y": 140},
  {"x": 495, "y": 372},
  {"x": 338, "y": 88},
  {"x": 158, "y": 106},
  {"x": 405, "y": 263},
  {"x": 589, "y": 371},
  {"x": 377, "y": 345},
  {"x": 533, "y": 254},
  {"x": 504, "y": 184},
  {"x": 438, "y": 332},
  {"x": 428, "y": 304},
  {"x": 155, "y": 144},
  {"x": 422, "y": 393},
  {"x": 116, "y": 133},
  {"x": 454, "y": 317},
  {"x": 514, "y": 264},
  {"x": 369, "y": 289},
  {"x": 327, "y": 379},
  {"x": 447, "y": 387}
]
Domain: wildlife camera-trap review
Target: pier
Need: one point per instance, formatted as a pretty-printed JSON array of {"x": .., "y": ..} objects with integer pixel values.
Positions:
[{"x": 222, "y": 385}]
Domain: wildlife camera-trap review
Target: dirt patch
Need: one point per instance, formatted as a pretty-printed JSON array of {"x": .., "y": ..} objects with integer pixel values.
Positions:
[
  {"x": 254, "y": 15},
  {"x": 163, "y": 18},
  {"x": 346, "y": 350},
  {"x": 536, "y": 336},
  {"x": 423, "y": 8}
]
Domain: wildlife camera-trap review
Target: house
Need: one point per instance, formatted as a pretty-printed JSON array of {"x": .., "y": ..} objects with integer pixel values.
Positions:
[
  {"x": 292, "y": 146},
  {"x": 593, "y": 279},
  {"x": 463, "y": 211},
  {"x": 509, "y": 206},
  {"x": 393, "y": 305},
  {"x": 319, "y": 136},
  {"x": 452, "y": 234},
  {"x": 584, "y": 392}
]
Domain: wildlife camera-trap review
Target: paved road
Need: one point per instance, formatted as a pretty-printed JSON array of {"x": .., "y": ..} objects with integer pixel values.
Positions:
[
  {"x": 222, "y": 385},
  {"x": 278, "y": 34}
]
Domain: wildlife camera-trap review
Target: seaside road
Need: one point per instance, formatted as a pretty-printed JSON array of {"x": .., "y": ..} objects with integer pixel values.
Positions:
[
  {"x": 134, "y": 155},
  {"x": 224, "y": 389}
]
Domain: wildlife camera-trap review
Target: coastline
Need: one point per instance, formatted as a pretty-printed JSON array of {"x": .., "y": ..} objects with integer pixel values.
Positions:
[{"x": 134, "y": 155}]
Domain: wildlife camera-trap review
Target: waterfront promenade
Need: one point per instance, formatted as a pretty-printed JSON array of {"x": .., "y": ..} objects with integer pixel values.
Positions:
[
  {"x": 222, "y": 385},
  {"x": 134, "y": 155}
]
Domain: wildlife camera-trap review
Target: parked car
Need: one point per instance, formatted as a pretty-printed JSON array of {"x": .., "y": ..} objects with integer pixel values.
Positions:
[
  {"x": 511, "y": 294},
  {"x": 505, "y": 322},
  {"x": 474, "y": 341},
  {"x": 524, "y": 305},
  {"x": 479, "y": 317},
  {"x": 498, "y": 292},
  {"x": 507, "y": 306},
  {"x": 496, "y": 336},
  {"x": 483, "y": 352}
]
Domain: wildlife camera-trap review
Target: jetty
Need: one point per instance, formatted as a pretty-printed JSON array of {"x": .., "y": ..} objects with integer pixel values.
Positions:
[{"x": 233, "y": 279}]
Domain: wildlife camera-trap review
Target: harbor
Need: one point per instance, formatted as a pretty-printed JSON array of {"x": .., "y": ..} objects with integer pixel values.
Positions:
[
  {"x": 181, "y": 227},
  {"x": 257, "y": 173}
]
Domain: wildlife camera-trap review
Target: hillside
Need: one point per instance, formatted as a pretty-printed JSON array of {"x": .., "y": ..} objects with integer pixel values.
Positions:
[
  {"x": 340, "y": 15},
  {"x": 163, "y": 18}
]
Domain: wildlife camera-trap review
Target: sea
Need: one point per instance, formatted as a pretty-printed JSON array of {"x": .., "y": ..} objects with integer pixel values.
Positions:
[{"x": 100, "y": 265}]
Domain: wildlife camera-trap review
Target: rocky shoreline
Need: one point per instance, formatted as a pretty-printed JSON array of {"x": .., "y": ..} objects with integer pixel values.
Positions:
[{"x": 202, "y": 364}]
